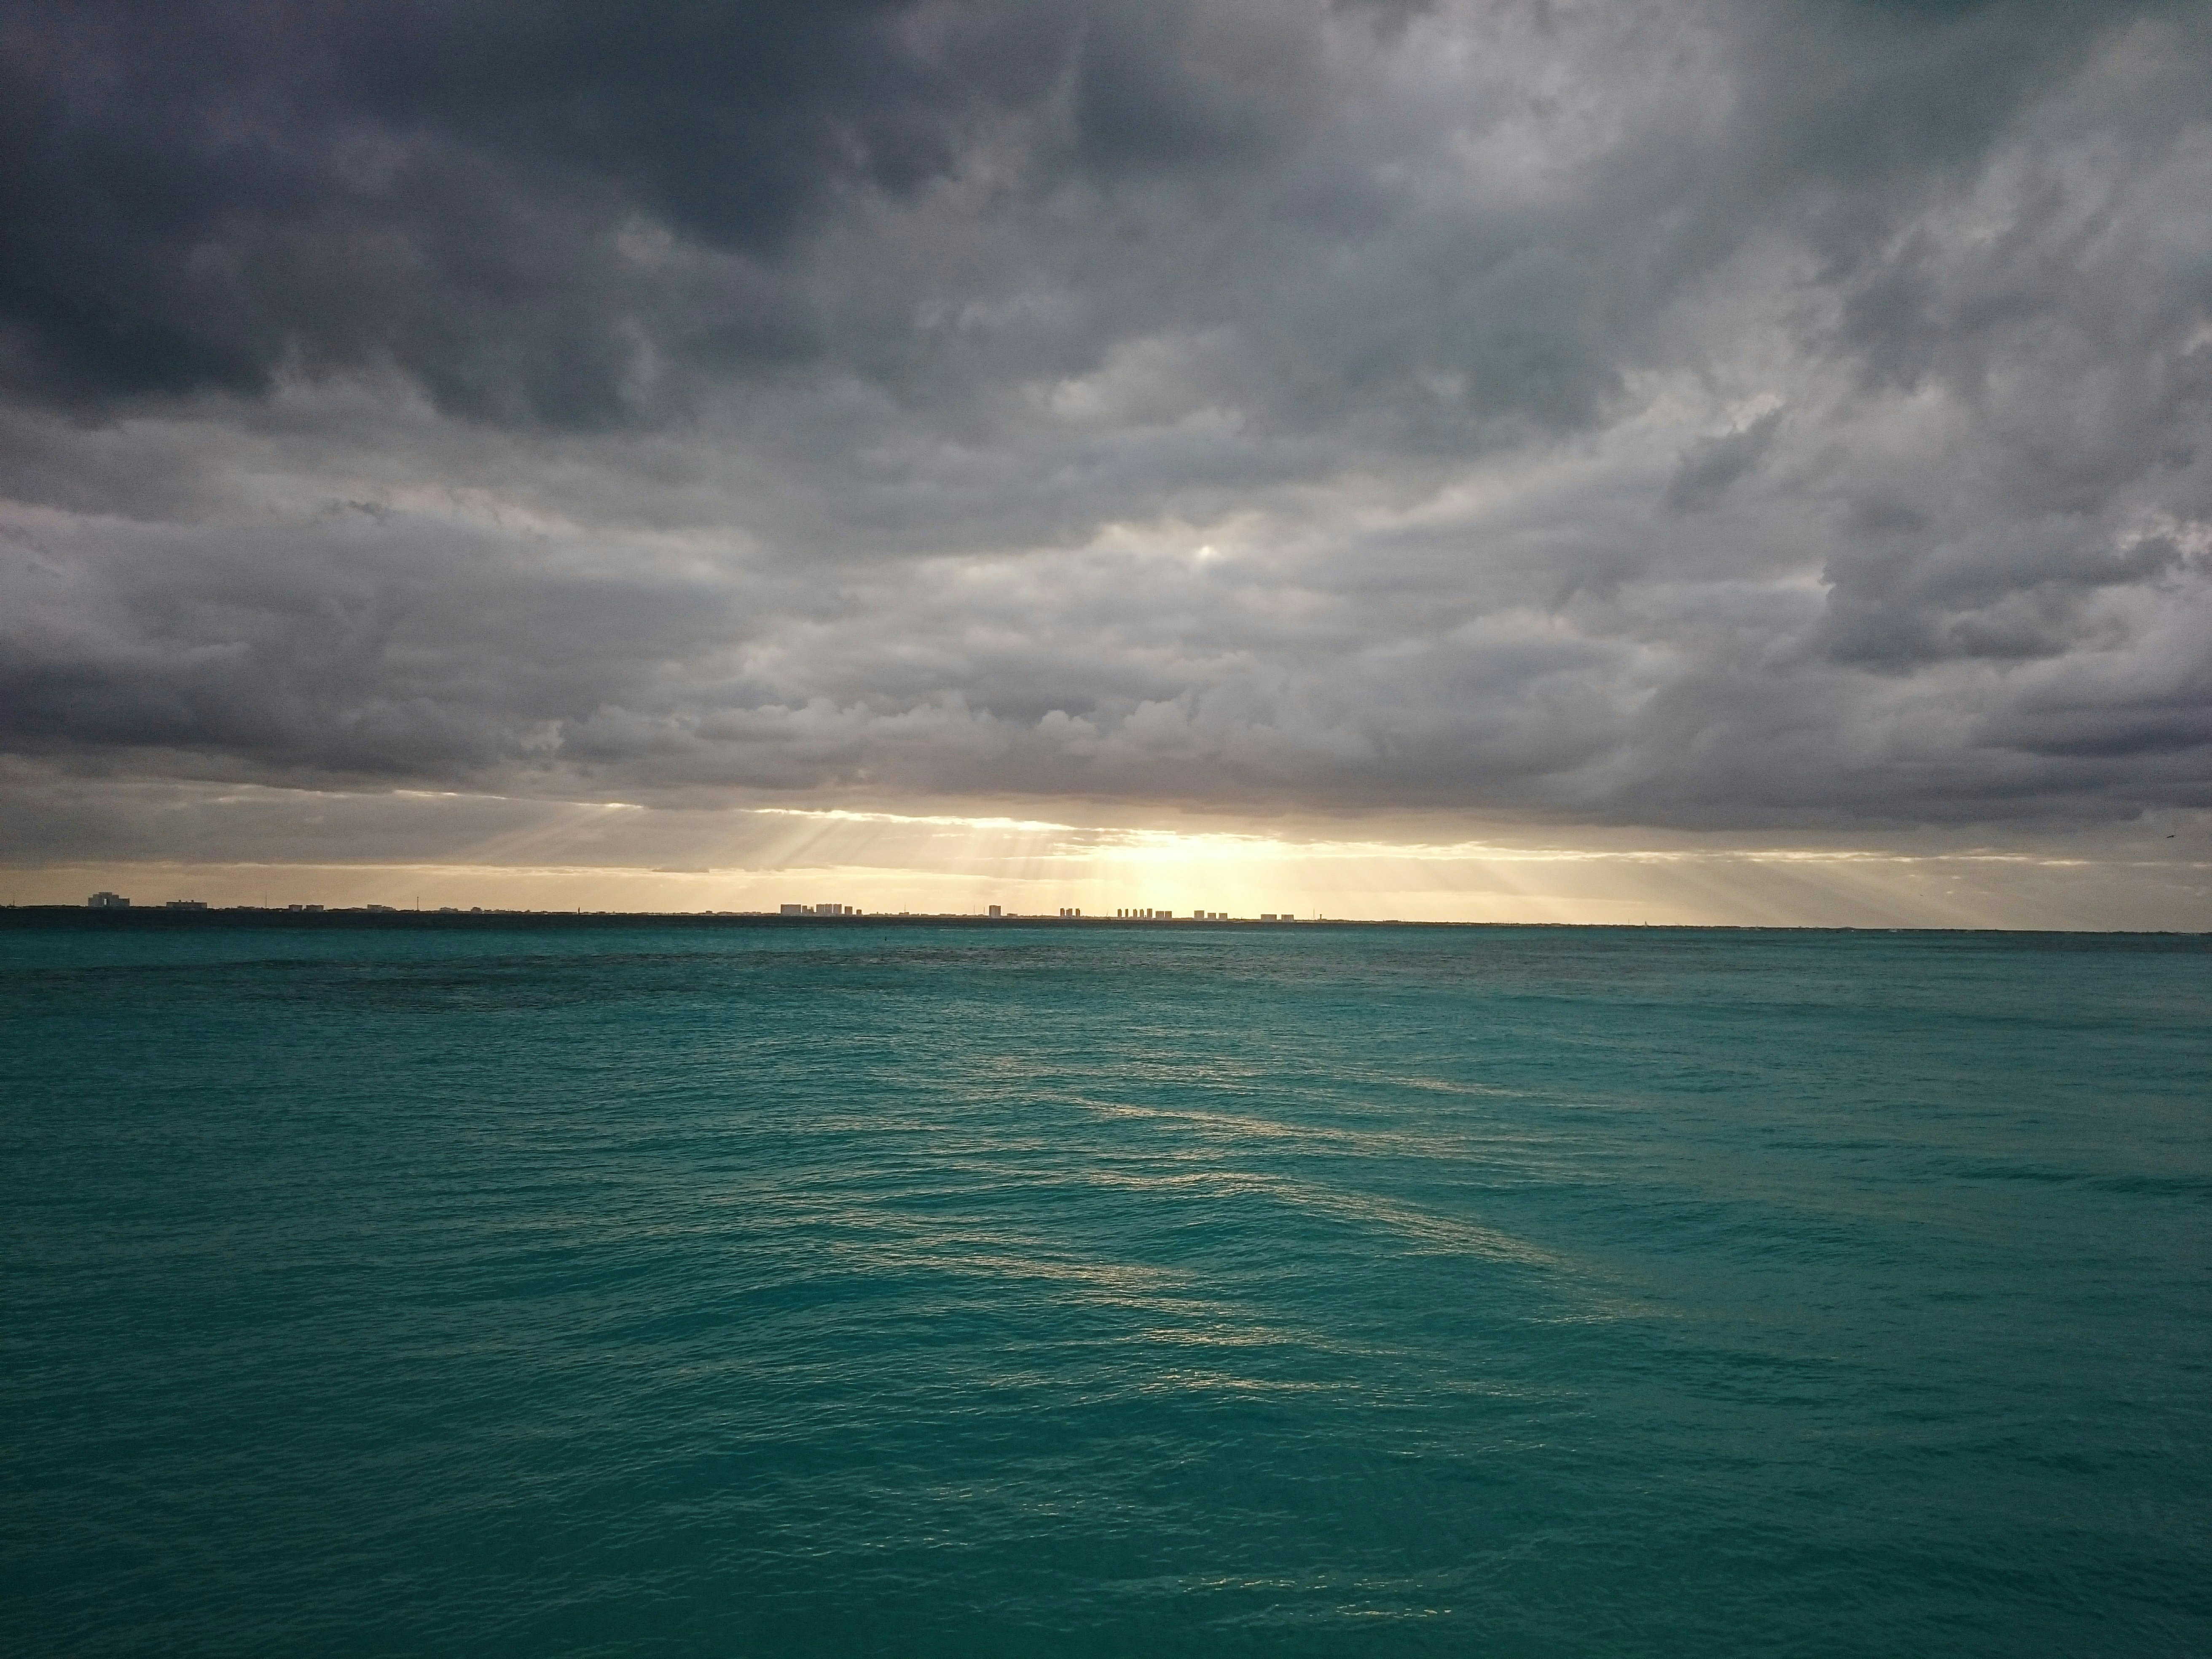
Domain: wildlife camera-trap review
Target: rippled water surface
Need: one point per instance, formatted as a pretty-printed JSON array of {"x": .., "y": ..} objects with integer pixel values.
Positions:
[{"x": 941, "y": 1290}]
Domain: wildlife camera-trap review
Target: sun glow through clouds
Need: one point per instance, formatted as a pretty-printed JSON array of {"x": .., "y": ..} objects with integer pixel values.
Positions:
[{"x": 443, "y": 847}]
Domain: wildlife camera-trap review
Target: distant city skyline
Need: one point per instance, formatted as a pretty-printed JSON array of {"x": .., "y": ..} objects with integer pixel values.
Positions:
[{"x": 942, "y": 864}]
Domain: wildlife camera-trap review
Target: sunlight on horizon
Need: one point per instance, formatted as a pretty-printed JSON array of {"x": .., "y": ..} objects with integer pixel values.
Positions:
[{"x": 596, "y": 856}]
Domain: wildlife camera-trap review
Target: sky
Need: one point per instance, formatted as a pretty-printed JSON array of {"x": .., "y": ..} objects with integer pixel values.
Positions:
[{"x": 1738, "y": 461}]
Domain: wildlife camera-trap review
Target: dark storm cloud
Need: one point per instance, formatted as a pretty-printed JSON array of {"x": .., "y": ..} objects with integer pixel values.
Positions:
[
  {"x": 534, "y": 210},
  {"x": 197, "y": 194},
  {"x": 1707, "y": 413}
]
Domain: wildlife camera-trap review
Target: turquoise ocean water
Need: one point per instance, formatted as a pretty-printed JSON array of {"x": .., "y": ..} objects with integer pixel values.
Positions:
[{"x": 869, "y": 1289}]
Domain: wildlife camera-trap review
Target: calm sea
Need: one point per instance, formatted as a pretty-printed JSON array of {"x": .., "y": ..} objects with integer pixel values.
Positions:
[{"x": 870, "y": 1289}]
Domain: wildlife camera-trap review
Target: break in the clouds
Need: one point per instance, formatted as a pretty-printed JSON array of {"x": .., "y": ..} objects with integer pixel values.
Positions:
[{"x": 1687, "y": 413}]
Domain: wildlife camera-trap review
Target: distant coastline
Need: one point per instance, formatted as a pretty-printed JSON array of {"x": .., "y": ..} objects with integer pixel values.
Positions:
[{"x": 155, "y": 919}]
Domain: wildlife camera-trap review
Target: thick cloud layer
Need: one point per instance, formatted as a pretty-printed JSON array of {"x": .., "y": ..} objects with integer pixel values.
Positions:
[{"x": 1702, "y": 414}]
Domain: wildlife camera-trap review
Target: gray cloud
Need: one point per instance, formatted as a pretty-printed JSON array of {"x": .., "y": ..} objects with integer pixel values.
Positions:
[
  {"x": 1711, "y": 464},
  {"x": 1709, "y": 415}
]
